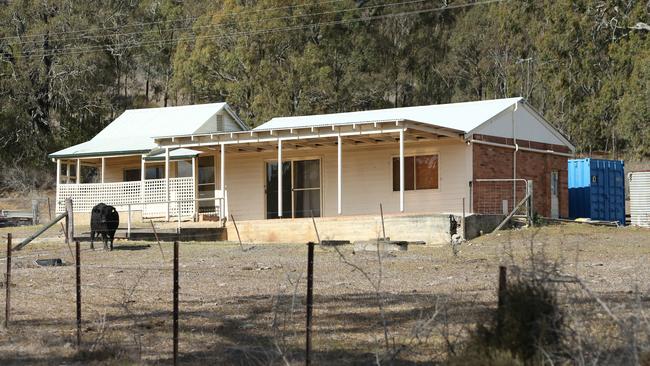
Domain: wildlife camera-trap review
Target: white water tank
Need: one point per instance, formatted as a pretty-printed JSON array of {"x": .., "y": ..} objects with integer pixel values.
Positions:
[{"x": 639, "y": 183}]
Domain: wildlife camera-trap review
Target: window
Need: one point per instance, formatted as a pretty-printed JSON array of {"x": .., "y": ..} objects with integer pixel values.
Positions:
[
  {"x": 131, "y": 175},
  {"x": 90, "y": 174},
  {"x": 152, "y": 172},
  {"x": 206, "y": 170},
  {"x": 220, "y": 124},
  {"x": 68, "y": 173},
  {"x": 206, "y": 183},
  {"x": 183, "y": 168},
  {"x": 420, "y": 172}
]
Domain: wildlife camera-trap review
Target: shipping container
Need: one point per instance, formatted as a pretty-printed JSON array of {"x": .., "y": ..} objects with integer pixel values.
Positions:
[
  {"x": 597, "y": 189},
  {"x": 639, "y": 198}
]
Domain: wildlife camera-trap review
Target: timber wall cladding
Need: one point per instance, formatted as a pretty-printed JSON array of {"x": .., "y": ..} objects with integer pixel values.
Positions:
[{"x": 497, "y": 162}]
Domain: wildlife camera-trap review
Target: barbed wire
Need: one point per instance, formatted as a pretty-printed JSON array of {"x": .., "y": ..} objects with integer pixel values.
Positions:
[
  {"x": 81, "y": 50},
  {"x": 221, "y": 26},
  {"x": 138, "y": 24}
]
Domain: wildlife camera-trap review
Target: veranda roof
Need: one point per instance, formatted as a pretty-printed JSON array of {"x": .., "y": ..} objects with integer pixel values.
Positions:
[
  {"x": 454, "y": 121},
  {"x": 133, "y": 131},
  {"x": 175, "y": 154},
  {"x": 457, "y": 116}
]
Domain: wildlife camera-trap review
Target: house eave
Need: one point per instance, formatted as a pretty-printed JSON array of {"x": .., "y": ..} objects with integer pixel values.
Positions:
[
  {"x": 307, "y": 132},
  {"x": 102, "y": 154}
]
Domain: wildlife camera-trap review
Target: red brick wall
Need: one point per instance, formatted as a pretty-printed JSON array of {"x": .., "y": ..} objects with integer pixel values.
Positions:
[{"x": 497, "y": 162}]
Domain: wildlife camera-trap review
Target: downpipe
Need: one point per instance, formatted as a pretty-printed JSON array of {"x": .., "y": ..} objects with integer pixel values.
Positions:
[{"x": 514, "y": 158}]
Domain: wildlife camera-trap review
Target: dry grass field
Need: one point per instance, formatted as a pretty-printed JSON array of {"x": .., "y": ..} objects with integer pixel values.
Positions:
[{"x": 247, "y": 307}]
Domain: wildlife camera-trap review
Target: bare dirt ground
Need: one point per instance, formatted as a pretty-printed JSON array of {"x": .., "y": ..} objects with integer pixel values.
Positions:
[{"x": 248, "y": 307}]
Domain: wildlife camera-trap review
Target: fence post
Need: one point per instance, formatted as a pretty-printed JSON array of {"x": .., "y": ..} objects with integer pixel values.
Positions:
[
  {"x": 462, "y": 222},
  {"x": 310, "y": 300},
  {"x": 35, "y": 213},
  {"x": 78, "y": 285},
  {"x": 128, "y": 224},
  {"x": 530, "y": 211},
  {"x": 8, "y": 282},
  {"x": 175, "y": 310},
  {"x": 69, "y": 220},
  {"x": 234, "y": 223},
  {"x": 178, "y": 213},
  {"x": 501, "y": 296},
  {"x": 383, "y": 228}
]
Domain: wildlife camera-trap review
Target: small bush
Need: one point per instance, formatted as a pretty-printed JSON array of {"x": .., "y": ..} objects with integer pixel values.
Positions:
[
  {"x": 644, "y": 359},
  {"x": 530, "y": 321},
  {"x": 25, "y": 179},
  {"x": 107, "y": 354}
]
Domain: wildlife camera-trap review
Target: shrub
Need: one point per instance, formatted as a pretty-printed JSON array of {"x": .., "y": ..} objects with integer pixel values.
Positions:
[{"x": 529, "y": 321}]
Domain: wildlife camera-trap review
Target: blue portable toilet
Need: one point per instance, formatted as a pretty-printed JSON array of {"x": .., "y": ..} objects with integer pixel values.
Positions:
[{"x": 597, "y": 189}]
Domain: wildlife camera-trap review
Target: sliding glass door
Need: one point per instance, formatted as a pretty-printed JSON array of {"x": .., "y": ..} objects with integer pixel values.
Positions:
[
  {"x": 272, "y": 190},
  {"x": 301, "y": 191},
  {"x": 206, "y": 184},
  {"x": 306, "y": 188}
]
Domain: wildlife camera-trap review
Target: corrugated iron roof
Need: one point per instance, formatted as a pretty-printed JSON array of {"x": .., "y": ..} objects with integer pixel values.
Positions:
[
  {"x": 133, "y": 130},
  {"x": 458, "y": 116},
  {"x": 175, "y": 154}
]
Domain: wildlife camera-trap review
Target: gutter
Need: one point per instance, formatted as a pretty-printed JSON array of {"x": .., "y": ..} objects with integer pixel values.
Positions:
[
  {"x": 570, "y": 155},
  {"x": 514, "y": 154},
  {"x": 99, "y": 155}
]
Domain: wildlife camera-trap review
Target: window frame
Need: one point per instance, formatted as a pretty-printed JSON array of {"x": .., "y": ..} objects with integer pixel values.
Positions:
[
  {"x": 291, "y": 160},
  {"x": 414, "y": 156},
  {"x": 124, "y": 174},
  {"x": 158, "y": 168},
  {"x": 177, "y": 168}
]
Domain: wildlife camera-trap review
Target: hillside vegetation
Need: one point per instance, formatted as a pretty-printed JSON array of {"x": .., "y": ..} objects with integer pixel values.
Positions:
[{"x": 68, "y": 68}]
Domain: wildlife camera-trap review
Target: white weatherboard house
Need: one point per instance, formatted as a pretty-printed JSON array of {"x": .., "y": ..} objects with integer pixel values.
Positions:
[{"x": 418, "y": 162}]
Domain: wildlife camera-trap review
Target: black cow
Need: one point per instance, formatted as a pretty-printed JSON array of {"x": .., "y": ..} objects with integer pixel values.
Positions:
[{"x": 104, "y": 220}]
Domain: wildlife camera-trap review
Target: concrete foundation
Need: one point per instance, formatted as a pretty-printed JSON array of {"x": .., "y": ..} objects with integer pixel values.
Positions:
[
  {"x": 428, "y": 228},
  {"x": 431, "y": 229},
  {"x": 477, "y": 225}
]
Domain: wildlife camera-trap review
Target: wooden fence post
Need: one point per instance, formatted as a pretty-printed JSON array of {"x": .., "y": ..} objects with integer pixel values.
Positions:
[
  {"x": 69, "y": 220},
  {"x": 8, "y": 282},
  {"x": 35, "y": 212},
  {"x": 241, "y": 246},
  {"x": 175, "y": 310},
  {"x": 383, "y": 228},
  {"x": 501, "y": 295},
  {"x": 310, "y": 301},
  {"x": 531, "y": 209},
  {"x": 462, "y": 222},
  {"x": 78, "y": 285}
]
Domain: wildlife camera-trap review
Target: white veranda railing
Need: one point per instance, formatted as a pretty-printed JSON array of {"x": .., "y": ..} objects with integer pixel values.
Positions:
[{"x": 153, "y": 203}]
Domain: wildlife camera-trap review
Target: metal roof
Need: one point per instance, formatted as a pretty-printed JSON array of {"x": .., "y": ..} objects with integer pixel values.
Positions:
[
  {"x": 174, "y": 154},
  {"x": 133, "y": 131},
  {"x": 458, "y": 116}
]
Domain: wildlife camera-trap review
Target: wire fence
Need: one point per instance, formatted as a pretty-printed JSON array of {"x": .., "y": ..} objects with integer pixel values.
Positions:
[
  {"x": 127, "y": 302},
  {"x": 249, "y": 304}
]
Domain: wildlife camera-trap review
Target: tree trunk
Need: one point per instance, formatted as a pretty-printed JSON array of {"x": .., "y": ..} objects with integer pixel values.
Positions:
[{"x": 146, "y": 87}]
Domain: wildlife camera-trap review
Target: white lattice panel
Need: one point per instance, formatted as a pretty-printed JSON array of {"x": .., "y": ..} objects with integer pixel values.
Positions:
[
  {"x": 182, "y": 189},
  {"x": 152, "y": 203},
  {"x": 86, "y": 196},
  {"x": 154, "y": 191}
]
